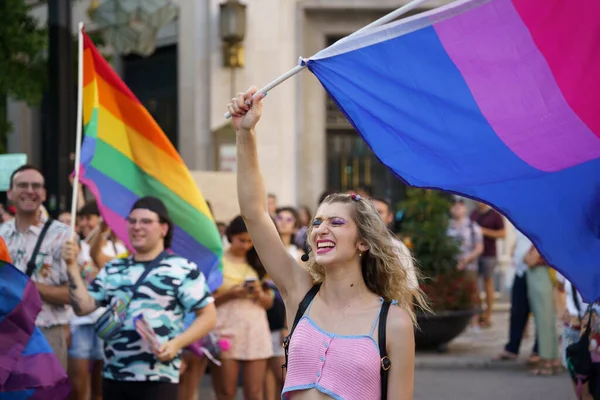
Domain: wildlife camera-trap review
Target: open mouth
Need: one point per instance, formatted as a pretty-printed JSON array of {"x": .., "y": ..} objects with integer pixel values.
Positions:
[
  {"x": 28, "y": 204},
  {"x": 324, "y": 246},
  {"x": 28, "y": 201}
]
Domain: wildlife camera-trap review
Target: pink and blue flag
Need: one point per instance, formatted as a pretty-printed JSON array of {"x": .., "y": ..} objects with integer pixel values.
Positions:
[
  {"x": 29, "y": 370},
  {"x": 497, "y": 100}
]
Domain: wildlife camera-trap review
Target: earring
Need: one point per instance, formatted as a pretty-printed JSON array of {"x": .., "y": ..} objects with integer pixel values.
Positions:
[{"x": 360, "y": 254}]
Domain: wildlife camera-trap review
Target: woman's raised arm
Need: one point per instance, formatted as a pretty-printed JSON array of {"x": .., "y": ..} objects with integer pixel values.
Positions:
[{"x": 292, "y": 280}]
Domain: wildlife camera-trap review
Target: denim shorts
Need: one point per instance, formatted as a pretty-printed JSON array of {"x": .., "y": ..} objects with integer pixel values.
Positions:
[{"x": 85, "y": 344}]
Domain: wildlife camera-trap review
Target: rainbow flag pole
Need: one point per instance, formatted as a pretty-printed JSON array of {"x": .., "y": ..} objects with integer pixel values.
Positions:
[
  {"x": 79, "y": 126},
  {"x": 125, "y": 155}
]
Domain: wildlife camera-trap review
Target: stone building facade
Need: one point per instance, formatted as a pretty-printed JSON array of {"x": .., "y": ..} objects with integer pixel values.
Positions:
[{"x": 305, "y": 144}]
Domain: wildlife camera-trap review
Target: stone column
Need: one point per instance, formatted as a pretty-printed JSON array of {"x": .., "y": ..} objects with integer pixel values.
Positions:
[
  {"x": 270, "y": 46},
  {"x": 26, "y": 128},
  {"x": 195, "y": 139}
]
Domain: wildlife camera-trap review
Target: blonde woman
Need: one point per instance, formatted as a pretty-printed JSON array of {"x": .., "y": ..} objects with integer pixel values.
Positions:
[{"x": 333, "y": 352}]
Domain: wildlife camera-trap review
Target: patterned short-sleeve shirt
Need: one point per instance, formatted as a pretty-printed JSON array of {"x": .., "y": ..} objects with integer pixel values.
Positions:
[
  {"x": 50, "y": 267},
  {"x": 170, "y": 290}
]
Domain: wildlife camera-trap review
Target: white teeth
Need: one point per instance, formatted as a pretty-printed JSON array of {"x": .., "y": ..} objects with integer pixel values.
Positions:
[{"x": 325, "y": 244}]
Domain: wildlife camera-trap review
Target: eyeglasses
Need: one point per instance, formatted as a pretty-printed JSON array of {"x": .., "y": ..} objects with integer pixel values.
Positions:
[
  {"x": 142, "y": 221},
  {"x": 288, "y": 219},
  {"x": 26, "y": 185}
]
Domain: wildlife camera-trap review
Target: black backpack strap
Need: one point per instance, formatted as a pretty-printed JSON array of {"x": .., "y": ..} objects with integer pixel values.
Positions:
[
  {"x": 576, "y": 299},
  {"x": 385, "y": 361},
  {"x": 31, "y": 263},
  {"x": 308, "y": 298},
  {"x": 149, "y": 268},
  {"x": 588, "y": 328}
]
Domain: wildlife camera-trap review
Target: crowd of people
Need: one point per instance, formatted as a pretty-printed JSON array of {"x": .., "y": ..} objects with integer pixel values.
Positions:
[
  {"x": 79, "y": 279},
  {"x": 538, "y": 291},
  {"x": 328, "y": 295},
  {"x": 553, "y": 300}
]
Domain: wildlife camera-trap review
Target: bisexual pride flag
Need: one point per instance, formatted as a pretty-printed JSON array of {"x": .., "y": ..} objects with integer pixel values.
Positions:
[
  {"x": 497, "y": 100},
  {"x": 29, "y": 370}
]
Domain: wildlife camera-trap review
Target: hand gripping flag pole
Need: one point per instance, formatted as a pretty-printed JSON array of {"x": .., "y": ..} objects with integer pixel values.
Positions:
[{"x": 301, "y": 65}]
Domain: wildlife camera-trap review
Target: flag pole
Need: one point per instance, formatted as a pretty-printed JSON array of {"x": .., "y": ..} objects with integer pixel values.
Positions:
[
  {"x": 301, "y": 66},
  {"x": 79, "y": 127}
]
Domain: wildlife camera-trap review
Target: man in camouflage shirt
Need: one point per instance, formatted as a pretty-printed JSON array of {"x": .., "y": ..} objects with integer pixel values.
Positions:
[{"x": 133, "y": 369}]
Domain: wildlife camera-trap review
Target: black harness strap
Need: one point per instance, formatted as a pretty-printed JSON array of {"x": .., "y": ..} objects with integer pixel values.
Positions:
[
  {"x": 301, "y": 310},
  {"x": 31, "y": 263},
  {"x": 385, "y": 361}
]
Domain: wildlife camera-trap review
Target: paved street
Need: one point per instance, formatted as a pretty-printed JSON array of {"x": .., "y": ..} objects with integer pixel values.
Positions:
[
  {"x": 490, "y": 385},
  {"x": 476, "y": 350},
  {"x": 470, "y": 384}
]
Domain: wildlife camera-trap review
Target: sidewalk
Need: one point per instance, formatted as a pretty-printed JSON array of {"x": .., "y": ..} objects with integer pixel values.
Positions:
[{"x": 476, "y": 350}]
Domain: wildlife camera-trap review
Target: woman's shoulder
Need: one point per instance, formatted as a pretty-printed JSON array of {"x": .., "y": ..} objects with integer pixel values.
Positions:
[
  {"x": 399, "y": 324},
  {"x": 235, "y": 265},
  {"x": 400, "y": 336}
]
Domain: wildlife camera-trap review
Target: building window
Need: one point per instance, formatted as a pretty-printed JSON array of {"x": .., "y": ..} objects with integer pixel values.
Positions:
[
  {"x": 153, "y": 80},
  {"x": 351, "y": 164}
]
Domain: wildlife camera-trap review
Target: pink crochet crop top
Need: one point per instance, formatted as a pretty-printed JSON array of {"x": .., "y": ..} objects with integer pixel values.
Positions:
[{"x": 342, "y": 367}]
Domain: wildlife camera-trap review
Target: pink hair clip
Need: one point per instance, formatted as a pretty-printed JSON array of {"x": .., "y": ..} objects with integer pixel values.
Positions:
[{"x": 355, "y": 197}]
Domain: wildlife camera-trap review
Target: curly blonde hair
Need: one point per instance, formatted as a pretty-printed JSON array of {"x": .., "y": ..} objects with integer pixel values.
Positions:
[{"x": 383, "y": 269}]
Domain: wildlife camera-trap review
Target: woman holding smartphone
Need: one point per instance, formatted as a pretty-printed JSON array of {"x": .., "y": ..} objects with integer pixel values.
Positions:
[{"x": 241, "y": 308}]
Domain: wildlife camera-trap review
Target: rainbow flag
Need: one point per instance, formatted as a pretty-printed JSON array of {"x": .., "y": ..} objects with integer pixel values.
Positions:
[
  {"x": 125, "y": 155},
  {"x": 498, "y": 100},
  {"x": 28, "y": 367}
]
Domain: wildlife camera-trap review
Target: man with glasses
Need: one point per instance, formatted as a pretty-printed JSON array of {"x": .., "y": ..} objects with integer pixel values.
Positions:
[
  {"x": 169, "y": 287},
  {"x": 46, "y": 268}
]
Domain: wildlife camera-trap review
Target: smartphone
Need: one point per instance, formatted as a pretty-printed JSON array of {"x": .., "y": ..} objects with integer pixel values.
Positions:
[{"x": 249, "y": 280}]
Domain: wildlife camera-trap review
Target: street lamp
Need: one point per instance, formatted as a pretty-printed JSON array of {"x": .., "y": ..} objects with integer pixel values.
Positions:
[{"x": 232, "y": 22}]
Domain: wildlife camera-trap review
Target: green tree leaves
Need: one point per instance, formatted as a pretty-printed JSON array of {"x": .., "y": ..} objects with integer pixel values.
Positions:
[{"x": 23, "y": 67}]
